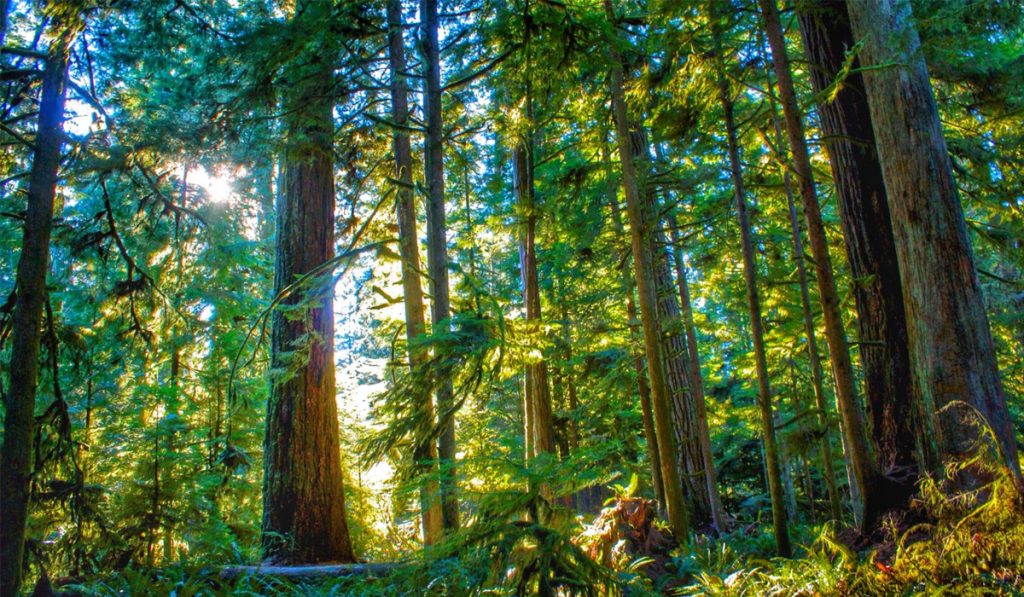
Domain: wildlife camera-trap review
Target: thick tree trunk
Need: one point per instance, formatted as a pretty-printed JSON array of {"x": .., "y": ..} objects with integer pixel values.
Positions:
[
  {"x": 697, "y": 381},
  {"x": 900, "y": 426},
  {"x": 764, "y": 394},
  {"x": 817, "y": 375},
  {"x": 303, "y": 498},
  {"x": 425, "y": 451},
  {"x": 876, "y": 493},
  {"x": 30, "y": 285},
  {"x": 642, "y": 228},
  {"x": 437, "y": 248},
  {"x": 951, "y": 350},
  {"x": 536, "y": 391}
]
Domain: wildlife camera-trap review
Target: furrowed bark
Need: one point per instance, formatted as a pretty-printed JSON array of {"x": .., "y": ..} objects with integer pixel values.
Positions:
[
  {"x": 303, "y": 498},
  {"x": 642, "y": 228},
  {"x": 951, "y": 351}
]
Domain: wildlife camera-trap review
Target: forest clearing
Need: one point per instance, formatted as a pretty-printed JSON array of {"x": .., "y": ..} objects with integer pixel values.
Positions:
[{"x": 511, "y": 297}]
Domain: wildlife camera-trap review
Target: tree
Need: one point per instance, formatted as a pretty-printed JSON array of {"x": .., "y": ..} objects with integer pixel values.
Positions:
[
  {"x": 16, "y": 454},
  {"x": 898, "y": 422},
  {"x": 642, "y": 225},
  {"x": 425, "y": 452},
  {"x": 437, "y": 248},
  {"x": 951, "y": 350},
  {"x": 764, "y": 392},
  {"x": 303, "y": 497},
  {"x": 877, "y": 494}
]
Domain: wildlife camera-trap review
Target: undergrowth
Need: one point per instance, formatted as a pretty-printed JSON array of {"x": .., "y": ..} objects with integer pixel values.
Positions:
[{"x": 958, "y": 538}]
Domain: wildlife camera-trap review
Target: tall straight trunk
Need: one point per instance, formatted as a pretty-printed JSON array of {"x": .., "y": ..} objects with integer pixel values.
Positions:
[
  {"x": 643, "y": 388},
  {"x": 900, "y": 426},
  {"x": 951, "y": 350},
  {"x": 764, "y": 393},
  {"x": 537, "y": 393},
  {"x": 876, "y": 493},
  {"x": 687, "y": 415},
  {"x": 696, "y": 380},
  {"x": 437, "y": 248},
  {"x": 303, "y": 497},
  {"x": 817, "y": 375},
  {"x": 30, "y": 285},
  {"x": 425, "y": 450},
  {"x": 642, "y": 228}
]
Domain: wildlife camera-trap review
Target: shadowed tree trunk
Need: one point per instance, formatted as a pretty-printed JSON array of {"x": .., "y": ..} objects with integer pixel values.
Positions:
[
  {"x": 437, "y": 248},
  {"x": 951, "y": 350},
  {"x": 899, "y": 423},
  {"x": 814, "y": 357},
  {"x": 643, "y": 388},
  {"x": 877, "y": 493},
  {"x": 764, "y": 393},
  {"x": 425, "y": 451},
  {"x": 303, "y": 497},
  {"x": 30, "y": 290},
  {"x": 642, "y": 229}
]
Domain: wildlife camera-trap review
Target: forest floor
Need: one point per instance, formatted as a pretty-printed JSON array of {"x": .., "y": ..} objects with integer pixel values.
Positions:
[{"x": 950, "y": 542}]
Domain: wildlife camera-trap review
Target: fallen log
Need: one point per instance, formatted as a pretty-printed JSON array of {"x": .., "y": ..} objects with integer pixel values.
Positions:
[{"x": 310, "y": 572}]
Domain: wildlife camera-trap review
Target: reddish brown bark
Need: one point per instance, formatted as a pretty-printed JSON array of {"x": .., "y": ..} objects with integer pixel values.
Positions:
[
  {"x": 303, "y": 497},
  {"x": 951, "y": 350}
]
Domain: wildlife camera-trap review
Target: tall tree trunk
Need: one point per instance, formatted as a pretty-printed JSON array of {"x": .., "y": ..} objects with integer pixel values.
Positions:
[
  {"x": 764, "y": 393},
  {"x": 876, "y": 493},
  {"x": 817, "y": 375},
  {"x": 303, "y": 497},
  {"x": 437, "y": 248},
  {"x": 696, "y": 380},
  {"x": 900, "y": 426},
  {"x": 642, "y": 229},
  {"x": 30, "y": 285},
  {"x": 425, "y": 451},
  {"x": 636, "y": 337},
  {"x": 537, "y": 393},
  {"x": 951, "y": 350}
]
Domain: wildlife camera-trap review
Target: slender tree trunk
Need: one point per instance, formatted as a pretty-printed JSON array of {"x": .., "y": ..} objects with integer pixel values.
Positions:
[
  {"x": 900, "y": 426},
  {"x": 30, "y": 285},
  {"x": 425, "y": 451},
  {"x": 538, "y": 395},
  {"x": 876, "y": 493},
  {"x": 764, "y": 394},
  {"x": 437, "y": 249},
  {"x": 817, "y": 375},
  {"x": 697, "y": 381},
  {"x": 636, "y": 336},
  {"x": 303, "y": 497},
  {"x": 951, "y": 350},
  {"x": 642, "y": 228}
]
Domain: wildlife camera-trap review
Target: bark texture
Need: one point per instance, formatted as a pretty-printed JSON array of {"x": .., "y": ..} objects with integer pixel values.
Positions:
[
  {"x": 437, "y": 248},
  {"x": 303, "y": 498},
  {"x": 425, "y": 450},
  {"x": 877, "y": 494},
  {"x": 30, "y": 284},
  {"x": 642, "y": 228},
  {"x": 951, "y": 350},
  {"x": 900, "y": 427}
]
